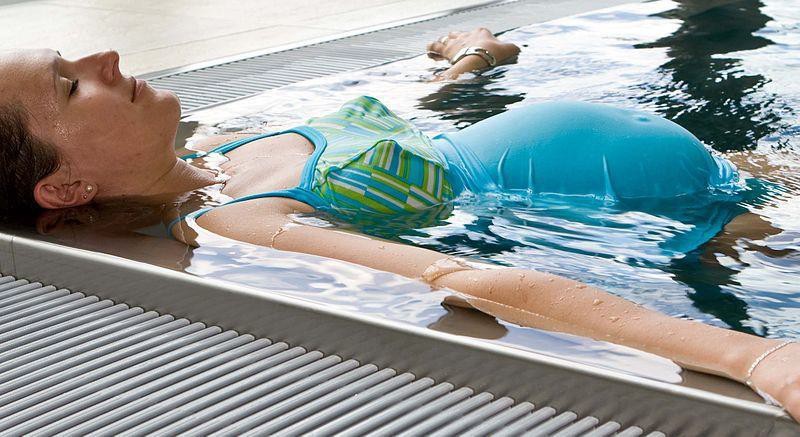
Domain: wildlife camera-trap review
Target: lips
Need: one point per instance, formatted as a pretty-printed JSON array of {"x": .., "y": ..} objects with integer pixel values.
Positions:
[
  {"x": 134, "y": 86},
  {"x": 137, "y": 87}
]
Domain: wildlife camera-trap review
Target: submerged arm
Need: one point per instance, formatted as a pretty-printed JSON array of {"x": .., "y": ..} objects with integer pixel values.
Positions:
[{"x": 534, "y": 299}]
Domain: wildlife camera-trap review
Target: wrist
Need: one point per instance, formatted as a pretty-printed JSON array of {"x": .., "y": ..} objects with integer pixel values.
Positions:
[
  {"x": 474, "y": 51},
  {"x": 739, "y": 360}
]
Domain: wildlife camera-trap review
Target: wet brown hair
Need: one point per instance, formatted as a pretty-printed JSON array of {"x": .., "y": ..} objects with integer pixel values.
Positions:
[{"x": 24, "y": 161}]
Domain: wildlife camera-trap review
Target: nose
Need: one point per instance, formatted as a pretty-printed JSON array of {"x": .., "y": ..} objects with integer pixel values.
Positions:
[{"x": 104, "y": 64}]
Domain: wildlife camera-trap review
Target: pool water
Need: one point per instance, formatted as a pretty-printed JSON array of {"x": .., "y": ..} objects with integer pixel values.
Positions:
[{"x": 724, "y": 70}]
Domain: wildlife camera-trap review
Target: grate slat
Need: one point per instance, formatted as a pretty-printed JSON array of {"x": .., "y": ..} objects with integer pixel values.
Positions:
[
  {"x": 605, "y": 430},
  {"x": 494, "y": 423},
  {"x": 578, "y": 428},
  {"x": 397, "y": 410},
  {"x": 210, "y": 400},
  {"x": 450, "y": 414},
  {"x": 475, "y": 417},
  {"x": 207, "y": 85},
  {"x": 77, "y": 365},
  {"x": 633, "y": 431},
  {"x": 422, "y": 413},
  {"x": 380, "y": 391},
  {"x": 524, "y": 423},
  {"x": 552, "y": 425},
  {"x": 374, "y": 407},
  {"x": 128, "y": 402}
]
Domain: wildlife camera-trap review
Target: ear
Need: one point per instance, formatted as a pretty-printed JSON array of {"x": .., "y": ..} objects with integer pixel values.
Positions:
[{"x": 57, "y": 191}]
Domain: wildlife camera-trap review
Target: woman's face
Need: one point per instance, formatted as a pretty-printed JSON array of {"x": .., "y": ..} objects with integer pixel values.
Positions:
[{"x": 110, "y": 129}]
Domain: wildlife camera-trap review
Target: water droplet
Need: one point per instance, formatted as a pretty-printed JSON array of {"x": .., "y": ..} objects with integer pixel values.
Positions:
[
  {"x": 613, "y": 319},
  {"x": 597, "y": 302}
]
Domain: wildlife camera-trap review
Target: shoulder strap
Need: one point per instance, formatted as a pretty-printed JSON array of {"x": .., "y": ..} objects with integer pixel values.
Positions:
[
  {"x": 300, "y": 193},
  {"x": 227, "y": 147}
]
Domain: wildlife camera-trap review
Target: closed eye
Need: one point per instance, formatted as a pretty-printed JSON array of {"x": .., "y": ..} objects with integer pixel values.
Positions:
[{"x": 74, "y": 87}]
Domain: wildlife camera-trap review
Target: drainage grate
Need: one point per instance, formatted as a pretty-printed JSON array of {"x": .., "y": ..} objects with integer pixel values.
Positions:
[
  {"x": 211, "y": 85},
  {"x": 77, "y": 364}
]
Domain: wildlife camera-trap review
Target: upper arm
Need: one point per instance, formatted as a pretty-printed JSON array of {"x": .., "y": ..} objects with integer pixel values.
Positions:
[{"x": 267, "y": 222}]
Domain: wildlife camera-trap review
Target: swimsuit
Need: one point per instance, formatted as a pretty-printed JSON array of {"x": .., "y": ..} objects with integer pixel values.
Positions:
[
  {"x": 368, "y": 160},
  {"x": 585, "y": 149}
]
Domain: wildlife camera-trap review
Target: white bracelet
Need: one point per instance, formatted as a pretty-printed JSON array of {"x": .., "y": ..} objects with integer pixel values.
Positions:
[
  {"x": 479, "y": 51},
  {"x": 761, "y": 358}
]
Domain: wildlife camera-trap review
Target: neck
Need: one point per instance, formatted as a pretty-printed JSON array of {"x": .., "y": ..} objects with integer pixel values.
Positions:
[{"x": 179, "y": 178}]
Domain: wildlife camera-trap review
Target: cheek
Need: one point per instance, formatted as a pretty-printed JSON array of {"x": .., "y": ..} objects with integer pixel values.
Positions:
[
  {"x": 106, "y": 131},
  {"x": 163, "y": 117},
  {"x": 103, "y": 139}
]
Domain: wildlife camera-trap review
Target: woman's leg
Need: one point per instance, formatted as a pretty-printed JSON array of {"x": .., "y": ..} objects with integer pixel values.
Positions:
[{"x": 579, "y": 148}]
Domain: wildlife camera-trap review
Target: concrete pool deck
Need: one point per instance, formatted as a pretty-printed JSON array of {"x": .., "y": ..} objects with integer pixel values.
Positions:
[{"x": 154, "y": 35}]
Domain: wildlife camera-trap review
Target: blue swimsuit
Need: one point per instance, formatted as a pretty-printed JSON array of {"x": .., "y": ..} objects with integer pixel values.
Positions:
[
  {"x": 368, "y": 160},
  {"x": 584, "y": 149}
]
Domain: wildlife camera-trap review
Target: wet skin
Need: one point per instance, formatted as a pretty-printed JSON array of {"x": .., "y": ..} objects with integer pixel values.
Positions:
[{"x": 94, "y": 115}]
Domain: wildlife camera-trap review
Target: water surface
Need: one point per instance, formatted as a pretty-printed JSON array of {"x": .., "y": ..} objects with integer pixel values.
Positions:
[{"x": 723, "y": 70}]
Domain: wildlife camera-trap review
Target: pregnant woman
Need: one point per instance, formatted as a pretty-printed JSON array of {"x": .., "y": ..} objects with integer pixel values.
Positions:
[{"x": 78, "y": 132}]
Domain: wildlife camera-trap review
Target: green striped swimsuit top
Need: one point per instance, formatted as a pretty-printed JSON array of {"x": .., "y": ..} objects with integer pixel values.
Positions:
[{"x": 366, "y": 159}]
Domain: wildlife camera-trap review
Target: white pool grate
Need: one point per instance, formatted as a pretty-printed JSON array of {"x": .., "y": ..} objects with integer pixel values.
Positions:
[
  {"x": 215, "y": 84},
  {"x": 76, "y": 364}
]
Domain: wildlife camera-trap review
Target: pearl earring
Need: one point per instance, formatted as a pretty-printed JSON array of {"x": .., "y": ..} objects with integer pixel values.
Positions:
[{"x": 89, "y": 188}]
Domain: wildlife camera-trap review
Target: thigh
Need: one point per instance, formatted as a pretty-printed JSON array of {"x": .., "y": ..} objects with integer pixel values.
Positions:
[{"x": 579, "y": 148}]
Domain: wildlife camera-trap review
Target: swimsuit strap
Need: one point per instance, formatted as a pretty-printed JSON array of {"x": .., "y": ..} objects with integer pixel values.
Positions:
[
  {"x": 227, "y": 147},
  {"x": 300, "y": 193}
]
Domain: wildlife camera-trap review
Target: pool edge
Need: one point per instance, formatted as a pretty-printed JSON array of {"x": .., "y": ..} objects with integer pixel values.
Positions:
[{"x": 480, "y": 365}]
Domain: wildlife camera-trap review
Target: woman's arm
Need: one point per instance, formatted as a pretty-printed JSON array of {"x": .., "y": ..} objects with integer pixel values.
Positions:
[
  {"x": 530, "y": 298},
  {"x": 448, "y": 47}
]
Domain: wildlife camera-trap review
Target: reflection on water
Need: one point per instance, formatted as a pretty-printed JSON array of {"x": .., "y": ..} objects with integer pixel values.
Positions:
[
  {"x": 367, "y": 291},
  {"x": 471, "y": 100},
  {"x": 704, "y": 79},
  {"x": 724, "y": 70}
]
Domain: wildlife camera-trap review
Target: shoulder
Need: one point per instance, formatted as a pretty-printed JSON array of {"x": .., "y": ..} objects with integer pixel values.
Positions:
[{"x": 253, "y": 221}]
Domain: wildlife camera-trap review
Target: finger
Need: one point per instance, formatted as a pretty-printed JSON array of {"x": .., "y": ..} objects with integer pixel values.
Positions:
[
  {"x": 436, "y": 47},
  {"x": 434, "y": 51},
  {"x": 455, "y": 34}
]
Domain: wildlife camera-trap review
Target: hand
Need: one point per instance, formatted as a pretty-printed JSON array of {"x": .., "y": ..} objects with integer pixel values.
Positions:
[
  {"x": 778, "y": 375},
  {"x": 446, "y": 47}
]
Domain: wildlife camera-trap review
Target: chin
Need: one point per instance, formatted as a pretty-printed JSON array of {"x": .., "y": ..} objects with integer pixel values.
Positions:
[
  {"x": 174, "y": 102},
  {"x": 165, "y": 115}
]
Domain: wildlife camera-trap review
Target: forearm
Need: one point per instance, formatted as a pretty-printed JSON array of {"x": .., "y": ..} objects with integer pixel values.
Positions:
[
  {"x": 551, "y": 302},
  {"x": 520, "y": 296},
  {"x": 466, "y": 64},
  {"x": 492, "y": 52}
]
